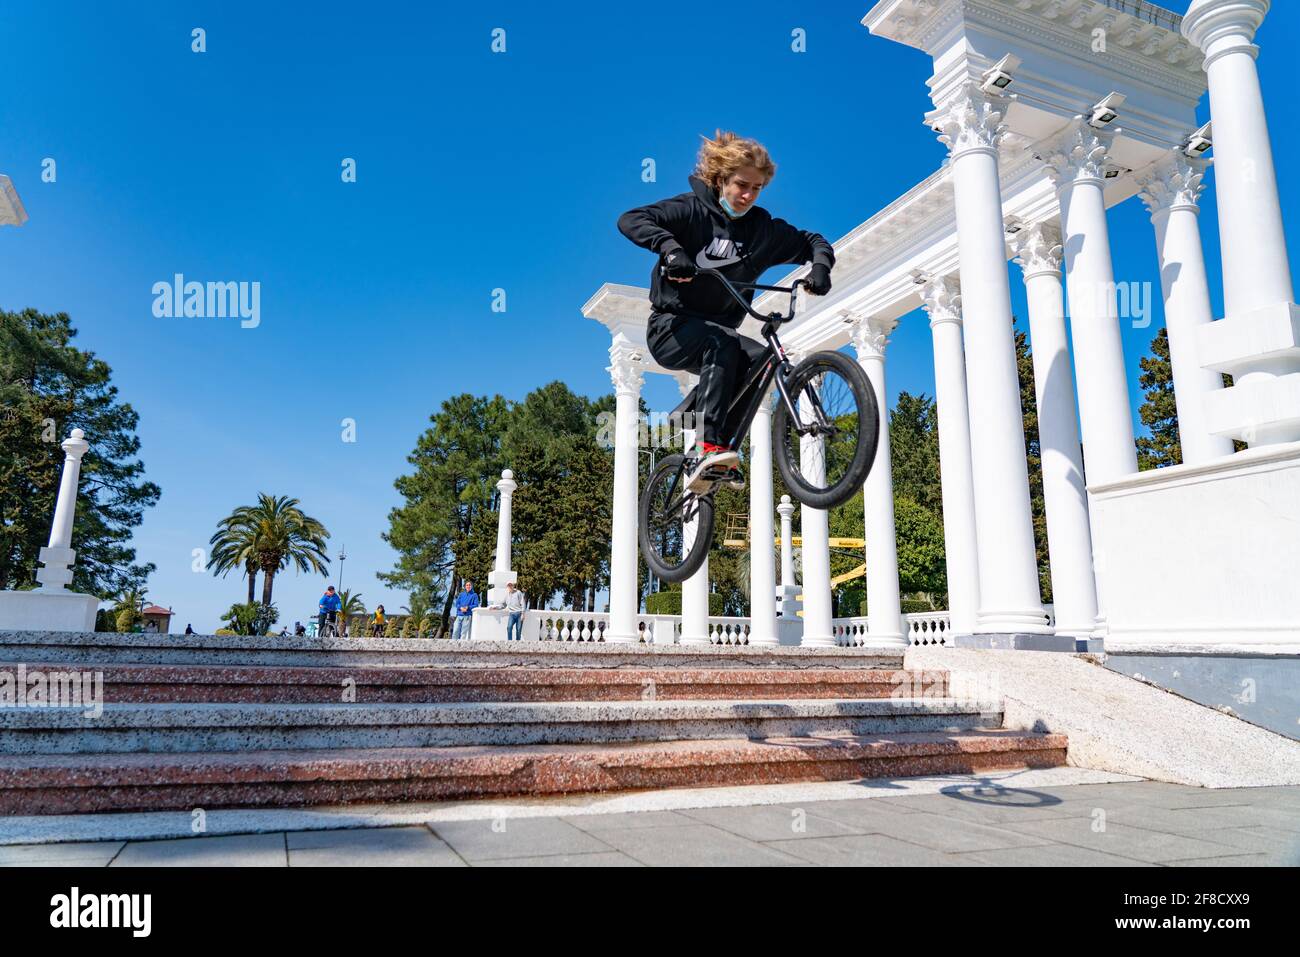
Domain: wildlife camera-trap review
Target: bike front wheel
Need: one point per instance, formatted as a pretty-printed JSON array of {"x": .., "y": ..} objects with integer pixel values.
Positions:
[
  {"x": 825, "y": 454},
  {"x": 676, "y": 525}
]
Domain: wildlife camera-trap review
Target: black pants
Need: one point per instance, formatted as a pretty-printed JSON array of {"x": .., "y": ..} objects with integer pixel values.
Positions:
[{"x": 719, "y": 355}]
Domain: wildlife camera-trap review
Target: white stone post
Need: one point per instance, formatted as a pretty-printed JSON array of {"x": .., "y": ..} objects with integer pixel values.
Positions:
[
  {"x": 942, "y": 300},
  {"x": 695, "y": 590},
  {"x": 625, "y": 370},
  {"x": 815, "y": 534},
  {"x": 1170, "y": 190},
  {"x": 1065, "y": 499},
  {"x": 762, "y": 575},
  {"x": 970, "y": 123},
  {"x": 789, "y": 590},
  {"x": 1258, "y": 340},
  {"x": 59, "y": 555},
  {"x": 1076, "y": 162},
  {"x": 502, "y": 573},
  {"x": 52, "y": 606},
  {"x": 884, "y": 608}
]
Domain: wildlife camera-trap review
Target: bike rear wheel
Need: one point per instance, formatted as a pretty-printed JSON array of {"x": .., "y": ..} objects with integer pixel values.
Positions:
[
  {"x": 825, "y": 455},
  {"x": 676, "y": 526}
]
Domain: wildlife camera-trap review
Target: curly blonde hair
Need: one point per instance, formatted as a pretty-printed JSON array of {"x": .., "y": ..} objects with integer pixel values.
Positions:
[{"x": 727, "y": 152}]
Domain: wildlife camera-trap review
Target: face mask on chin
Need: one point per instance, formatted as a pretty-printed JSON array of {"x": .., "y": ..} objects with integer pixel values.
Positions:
[{"x": 726, "y": 208}]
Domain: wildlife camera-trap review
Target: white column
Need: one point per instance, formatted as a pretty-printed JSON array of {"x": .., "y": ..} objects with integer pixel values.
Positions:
[
  {"x": 1256, "y": 270},
  {"x": 762, "y": 574},
  {"x": 1258, "y": 340},
  {"x": 1065, "y": 499},
  {"x": 789, "y": 589},
  {"x": 970, "y": 122},
  {"x": 695, "y": 590},
  {"x": 815, "y": 530},
  {"x": 625, "y": 370},
  {"x": 1170, "y": 190},
  {"x": 942, "y": 301},
  {"x": 58, "y": 556},
  {"x": 501, "y": 571},
  {"x": 1076, "y": 161},
  {"x": 884, "y": 609}
]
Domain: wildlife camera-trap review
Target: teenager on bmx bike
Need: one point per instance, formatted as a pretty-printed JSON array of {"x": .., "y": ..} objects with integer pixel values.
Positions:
[{"x": 713, "y": 244}]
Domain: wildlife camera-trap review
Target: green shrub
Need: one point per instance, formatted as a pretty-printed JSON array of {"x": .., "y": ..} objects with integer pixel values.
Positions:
[
  {"x": 251, "y": 618},
  {"x": 670, "y": 603}
]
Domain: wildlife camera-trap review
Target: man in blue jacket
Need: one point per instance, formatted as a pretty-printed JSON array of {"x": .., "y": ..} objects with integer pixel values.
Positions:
[
  {"x": 466, "y": 602},
  {"x": 694, "y": 319},
  {"x": 329, "y": 608}
]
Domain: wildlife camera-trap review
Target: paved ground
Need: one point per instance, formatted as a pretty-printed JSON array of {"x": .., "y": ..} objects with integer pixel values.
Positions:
[{"x": 973, "y": 823}]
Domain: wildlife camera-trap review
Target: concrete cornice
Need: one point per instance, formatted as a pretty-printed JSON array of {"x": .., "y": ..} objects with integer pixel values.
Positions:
[{"x": 1147, "y": 46}]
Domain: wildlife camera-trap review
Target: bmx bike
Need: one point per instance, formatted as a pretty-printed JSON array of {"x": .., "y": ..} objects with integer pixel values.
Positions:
[{"x": 825, "y": 429}]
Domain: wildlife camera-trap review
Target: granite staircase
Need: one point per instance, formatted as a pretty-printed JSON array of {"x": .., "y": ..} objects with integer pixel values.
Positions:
[{"x": 211, "y": 722}]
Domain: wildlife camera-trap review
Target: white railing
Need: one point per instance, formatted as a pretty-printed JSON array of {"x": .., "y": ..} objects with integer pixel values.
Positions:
[
  {"x": 849, "y": 632},
  {"x": 728, "y": 631},
  {"x": 928, "y": 628},
  {"x": 590, "y": 626},
  {"x": 919, "y": 628},
  {"x": 922, "y": 628}
]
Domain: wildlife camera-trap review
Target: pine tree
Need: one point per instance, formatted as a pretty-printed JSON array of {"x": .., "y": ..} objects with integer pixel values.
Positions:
[
  {"x": 47, "y": 388},
  {"x": 1159, "y": 413},
  {"x": 1034, "y": 463}
]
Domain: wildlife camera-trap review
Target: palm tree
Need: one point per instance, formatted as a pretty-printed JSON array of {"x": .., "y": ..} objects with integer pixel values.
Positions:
[
  {"x": 127, "y": 605},
  {"x": 269, "y": 536},
  {"x": 235, "y": 546},
  {"x": 350, "y": 604}
]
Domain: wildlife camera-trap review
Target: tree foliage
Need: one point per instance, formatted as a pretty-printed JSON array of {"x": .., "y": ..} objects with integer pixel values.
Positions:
[
  {"x": 48, "y": 387},
  {"x": 1159, "y": 413}
]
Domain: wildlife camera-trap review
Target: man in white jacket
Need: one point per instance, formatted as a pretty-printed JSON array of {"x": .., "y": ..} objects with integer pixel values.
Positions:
[{"x": 515, "y": 605}]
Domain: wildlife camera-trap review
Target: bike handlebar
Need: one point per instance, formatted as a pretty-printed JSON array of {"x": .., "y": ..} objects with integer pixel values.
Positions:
[{"x": 731, "y": 287}]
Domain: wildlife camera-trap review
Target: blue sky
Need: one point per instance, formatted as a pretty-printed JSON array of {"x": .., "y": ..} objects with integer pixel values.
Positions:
[{"x": 475, "y": 171}]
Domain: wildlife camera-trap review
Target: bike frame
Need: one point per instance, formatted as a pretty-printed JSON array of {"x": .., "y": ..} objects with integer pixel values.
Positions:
[{"x": 756, "y": 387}]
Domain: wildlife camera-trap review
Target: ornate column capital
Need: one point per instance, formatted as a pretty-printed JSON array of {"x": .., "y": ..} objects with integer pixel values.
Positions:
[
  {"x": 941, "y": 298},
  {"x": 969, "y": 119},
  {"x": 627, "y": 367},
  {"x": 870, "y": 335},
  {"x": 1038, "y": 249},
  {"x": 1209, "y": 23},
  {"x": 1175, "y": 182},
  {"x": 1077, "y": 154}
]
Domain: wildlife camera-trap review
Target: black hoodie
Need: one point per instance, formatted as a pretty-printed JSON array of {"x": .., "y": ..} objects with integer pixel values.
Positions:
[{"x": 741, "y": 248}]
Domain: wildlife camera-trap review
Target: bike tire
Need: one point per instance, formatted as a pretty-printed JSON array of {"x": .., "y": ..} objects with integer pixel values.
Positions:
[
  {"x": 650, "y": 526},
  {"x": 862, "y": 455}
]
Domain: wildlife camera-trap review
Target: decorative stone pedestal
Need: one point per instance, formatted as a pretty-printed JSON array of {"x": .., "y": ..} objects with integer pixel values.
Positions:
[
  {"x": 489, "y": 624},
  {"x": 47, "y": 611},
  {"x": 1203, "y": 555},
  {"x": 52, "y": 607}
]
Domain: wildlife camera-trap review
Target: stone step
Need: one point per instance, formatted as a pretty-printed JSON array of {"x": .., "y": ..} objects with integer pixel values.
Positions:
[
  {"x": 249, "y": 727},
  {"x": 70, "y": 784},
  {"x": 105, "y": 648},
  {"x": 220, "y": 683}
]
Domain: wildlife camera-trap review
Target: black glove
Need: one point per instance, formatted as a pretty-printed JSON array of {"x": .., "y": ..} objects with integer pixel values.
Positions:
[
  {"x": 819, "y": 279},
  {"x": 678, "y": 265}
]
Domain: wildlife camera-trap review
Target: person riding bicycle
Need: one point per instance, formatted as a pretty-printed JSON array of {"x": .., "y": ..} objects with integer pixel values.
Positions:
[
  {"x": 694, "y": 319},
  {"x": 328, "y": 609}
]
